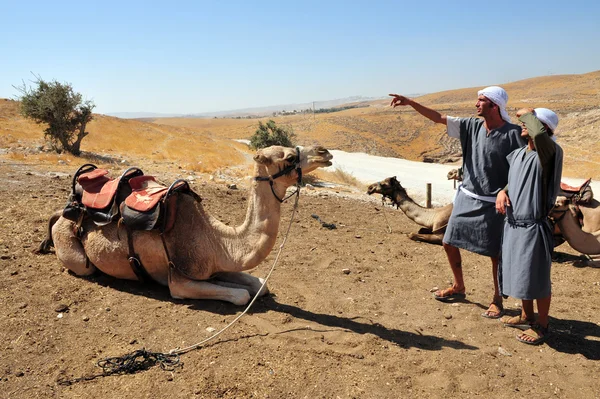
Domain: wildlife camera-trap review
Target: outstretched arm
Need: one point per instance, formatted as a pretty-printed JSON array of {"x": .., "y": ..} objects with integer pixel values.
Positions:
[{"x": 428, "y": 113}]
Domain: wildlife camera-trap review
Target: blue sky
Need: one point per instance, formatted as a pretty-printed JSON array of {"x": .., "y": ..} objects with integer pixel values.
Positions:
[{"x": 204, "y": 56}]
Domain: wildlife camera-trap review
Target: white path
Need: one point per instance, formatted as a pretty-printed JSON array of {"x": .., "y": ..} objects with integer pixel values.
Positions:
[{"x": 413, "y": 176}]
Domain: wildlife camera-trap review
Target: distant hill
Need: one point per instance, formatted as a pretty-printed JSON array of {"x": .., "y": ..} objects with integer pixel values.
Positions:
[
  {"x": 255, "y": 111},
  {"x": 378, "y": 129}
]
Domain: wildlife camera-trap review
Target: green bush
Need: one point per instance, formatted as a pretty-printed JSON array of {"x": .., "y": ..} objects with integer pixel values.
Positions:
[{"x": 269, "y": 134}]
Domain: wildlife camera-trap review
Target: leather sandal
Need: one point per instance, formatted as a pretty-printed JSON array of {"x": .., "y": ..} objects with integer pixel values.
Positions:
[{"x": 494, "y": 314}]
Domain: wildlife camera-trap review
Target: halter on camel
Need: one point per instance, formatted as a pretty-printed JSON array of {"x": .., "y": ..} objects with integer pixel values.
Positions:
[{"x": 283, "y": 172}]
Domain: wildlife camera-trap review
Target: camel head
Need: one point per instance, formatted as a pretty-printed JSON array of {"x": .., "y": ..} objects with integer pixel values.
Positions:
[
  {"x": 281, "y": 162},
  {"x": 389, "y": 188}
]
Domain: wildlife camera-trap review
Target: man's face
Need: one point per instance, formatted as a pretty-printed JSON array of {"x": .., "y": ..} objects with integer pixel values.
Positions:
[
  {"x": 484, "y": 106},
  {"x": 524, "y": 131}
]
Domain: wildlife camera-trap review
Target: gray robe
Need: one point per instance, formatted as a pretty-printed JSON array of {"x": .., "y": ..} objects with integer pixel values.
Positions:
[
  {"x": 474, "y": 224},
  {"x": 527, "y": 244}
]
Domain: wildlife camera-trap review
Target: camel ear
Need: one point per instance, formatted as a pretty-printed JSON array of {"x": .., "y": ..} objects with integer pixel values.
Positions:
[{"x": 260, "y": 158}]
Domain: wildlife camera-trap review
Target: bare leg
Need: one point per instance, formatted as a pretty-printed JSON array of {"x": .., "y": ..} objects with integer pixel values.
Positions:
[
  {"x": 458, "y": 285},
  {"x": 496, "y": 309},
  {"x": 527, "y": 310},
  {"x": 455, "y": 261},
  {"x": 543, "y": 305}
]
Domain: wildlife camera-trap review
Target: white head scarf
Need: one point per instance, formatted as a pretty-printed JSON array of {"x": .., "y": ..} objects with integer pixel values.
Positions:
[
  {"x": 498, "y": 96},
  {"x": 548, "y": 117}
]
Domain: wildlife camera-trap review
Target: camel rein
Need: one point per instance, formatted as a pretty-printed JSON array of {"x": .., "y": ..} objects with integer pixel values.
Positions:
[{"x": 142, "y": 359}]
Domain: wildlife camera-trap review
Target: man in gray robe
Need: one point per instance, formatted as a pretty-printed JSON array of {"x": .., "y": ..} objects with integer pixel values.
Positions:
[
  {"x": 474, "y": 224},
  {"x": 533, "y": 183}
]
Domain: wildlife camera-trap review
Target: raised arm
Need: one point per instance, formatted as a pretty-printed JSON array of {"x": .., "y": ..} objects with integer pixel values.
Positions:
[{"x": 428, "y": 113}]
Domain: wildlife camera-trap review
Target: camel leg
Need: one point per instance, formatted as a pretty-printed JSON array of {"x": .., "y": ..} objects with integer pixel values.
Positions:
[
  {"x": 429, "y": 238},
  {"x": 182, "y": 287},
  {"x": 240, "y": 280},
  {"x": 48, "y": 243},
  {"x": 69, "y": 249}
]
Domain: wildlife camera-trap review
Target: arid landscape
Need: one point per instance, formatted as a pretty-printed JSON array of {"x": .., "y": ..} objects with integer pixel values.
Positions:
[{"x": 350, "y": 313}]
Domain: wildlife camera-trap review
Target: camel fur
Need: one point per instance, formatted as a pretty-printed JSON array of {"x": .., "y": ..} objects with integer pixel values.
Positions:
[{"x": 209, "y": 257}]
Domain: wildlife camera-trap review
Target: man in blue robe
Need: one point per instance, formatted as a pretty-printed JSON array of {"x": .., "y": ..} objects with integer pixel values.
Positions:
[{"x": 474, "y": 224}]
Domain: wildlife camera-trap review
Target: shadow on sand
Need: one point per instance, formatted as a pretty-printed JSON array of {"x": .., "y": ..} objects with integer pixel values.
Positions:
[
  {"x": 571, "y": 336},
  {"x": 358, "y": 325}
]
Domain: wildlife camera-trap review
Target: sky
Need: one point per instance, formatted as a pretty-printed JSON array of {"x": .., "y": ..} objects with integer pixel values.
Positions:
[{"x": 188, "y": 57}]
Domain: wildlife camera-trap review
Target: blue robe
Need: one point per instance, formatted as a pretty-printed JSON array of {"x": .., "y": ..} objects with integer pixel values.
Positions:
[{"x": 474, "y": 224}]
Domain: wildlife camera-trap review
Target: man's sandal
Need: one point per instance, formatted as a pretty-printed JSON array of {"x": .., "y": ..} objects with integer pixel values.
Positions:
[
  {"x": 449, "y": 295},
  {"x": 494, "y": 314},
  {"x": 516, "y": 322},
  {"x": 533, "y": 336}
]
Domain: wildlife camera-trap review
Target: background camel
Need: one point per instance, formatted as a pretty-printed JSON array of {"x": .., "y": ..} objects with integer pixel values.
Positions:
[
  {"x": 208, "y": 256},
  {"x": 435, "y": 220},
  {"x": 566, "y": 217}
]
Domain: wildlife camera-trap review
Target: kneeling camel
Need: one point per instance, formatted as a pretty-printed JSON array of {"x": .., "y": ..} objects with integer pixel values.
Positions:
[{"x": 207, "y": 256}]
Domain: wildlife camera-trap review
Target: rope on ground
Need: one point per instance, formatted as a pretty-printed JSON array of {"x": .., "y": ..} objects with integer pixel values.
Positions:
[
  {"x": 385, "y": 216},
  {"x": 330, "y": 226},
  {"x": 130, "y": 364}
]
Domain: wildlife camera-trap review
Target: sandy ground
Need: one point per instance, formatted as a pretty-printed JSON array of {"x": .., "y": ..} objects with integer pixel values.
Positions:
[{"x": 373, "y": 333}]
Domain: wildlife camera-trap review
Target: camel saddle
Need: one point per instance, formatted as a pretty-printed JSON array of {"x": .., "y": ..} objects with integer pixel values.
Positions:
[
  {"x": 141, "y": 210},
  {"x": 581, "y": 194},
  {"x": 133, "y": 199},
  {"x": 97, "y": 196}
]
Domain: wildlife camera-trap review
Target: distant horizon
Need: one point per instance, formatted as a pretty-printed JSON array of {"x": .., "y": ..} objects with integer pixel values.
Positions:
[
  {"x": 319, "y": 104},
  {"x": 204, "y": 57}
]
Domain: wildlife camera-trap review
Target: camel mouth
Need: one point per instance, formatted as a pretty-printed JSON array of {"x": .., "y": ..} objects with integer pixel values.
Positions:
[
  {"x": 321, "y": 161},
  {"x": 372, "y": 190}
]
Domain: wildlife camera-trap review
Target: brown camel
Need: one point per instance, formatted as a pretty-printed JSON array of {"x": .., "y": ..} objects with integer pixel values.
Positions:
[
  {"x": 433, "y": 220},
  {"x": 565, "y": 215},
  {"x": 208, "y": 256}
]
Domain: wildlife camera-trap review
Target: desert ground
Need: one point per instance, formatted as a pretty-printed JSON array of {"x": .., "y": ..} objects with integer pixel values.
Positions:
[
  {"x": 350, "y": 312},
  {"x": 375, "y": 332}
]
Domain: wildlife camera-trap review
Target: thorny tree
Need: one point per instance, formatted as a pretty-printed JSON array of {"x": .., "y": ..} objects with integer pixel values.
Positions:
[{"x": 61, "y": 109}]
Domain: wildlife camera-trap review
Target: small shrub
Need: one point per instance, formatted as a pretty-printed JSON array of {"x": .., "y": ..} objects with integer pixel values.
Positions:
[{"x": 269, "y": 134}]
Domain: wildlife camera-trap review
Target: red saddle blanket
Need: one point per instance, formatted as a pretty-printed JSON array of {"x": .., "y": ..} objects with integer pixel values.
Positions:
[
  {"x": 98, "y": 189},
  {"x": 574, "y": 189},
  {"x": 146, "y": 193}
]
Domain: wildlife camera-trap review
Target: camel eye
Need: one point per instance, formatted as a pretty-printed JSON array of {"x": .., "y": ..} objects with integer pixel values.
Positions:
[{"x": 290, "y": 158}]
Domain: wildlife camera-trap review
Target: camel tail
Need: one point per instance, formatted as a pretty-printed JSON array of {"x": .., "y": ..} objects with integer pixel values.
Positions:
[{"x": 47, "y": 243}]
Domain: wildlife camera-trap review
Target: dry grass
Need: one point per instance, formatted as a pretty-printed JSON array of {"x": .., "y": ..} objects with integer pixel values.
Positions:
[{"x": 342, "y": 177}]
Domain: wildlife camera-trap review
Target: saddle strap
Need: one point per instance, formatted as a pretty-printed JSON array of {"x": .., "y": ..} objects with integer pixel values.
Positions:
[{"x": 134, "y": 260}]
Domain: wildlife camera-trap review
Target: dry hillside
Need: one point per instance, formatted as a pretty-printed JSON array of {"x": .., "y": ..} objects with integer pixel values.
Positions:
[
  {"x": 203, "y": 144},
  {"x": 380, "y": 130}
]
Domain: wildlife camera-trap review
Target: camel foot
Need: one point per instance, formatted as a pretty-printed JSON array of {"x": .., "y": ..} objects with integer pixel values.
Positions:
[{"x": 44, "y": 247}]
